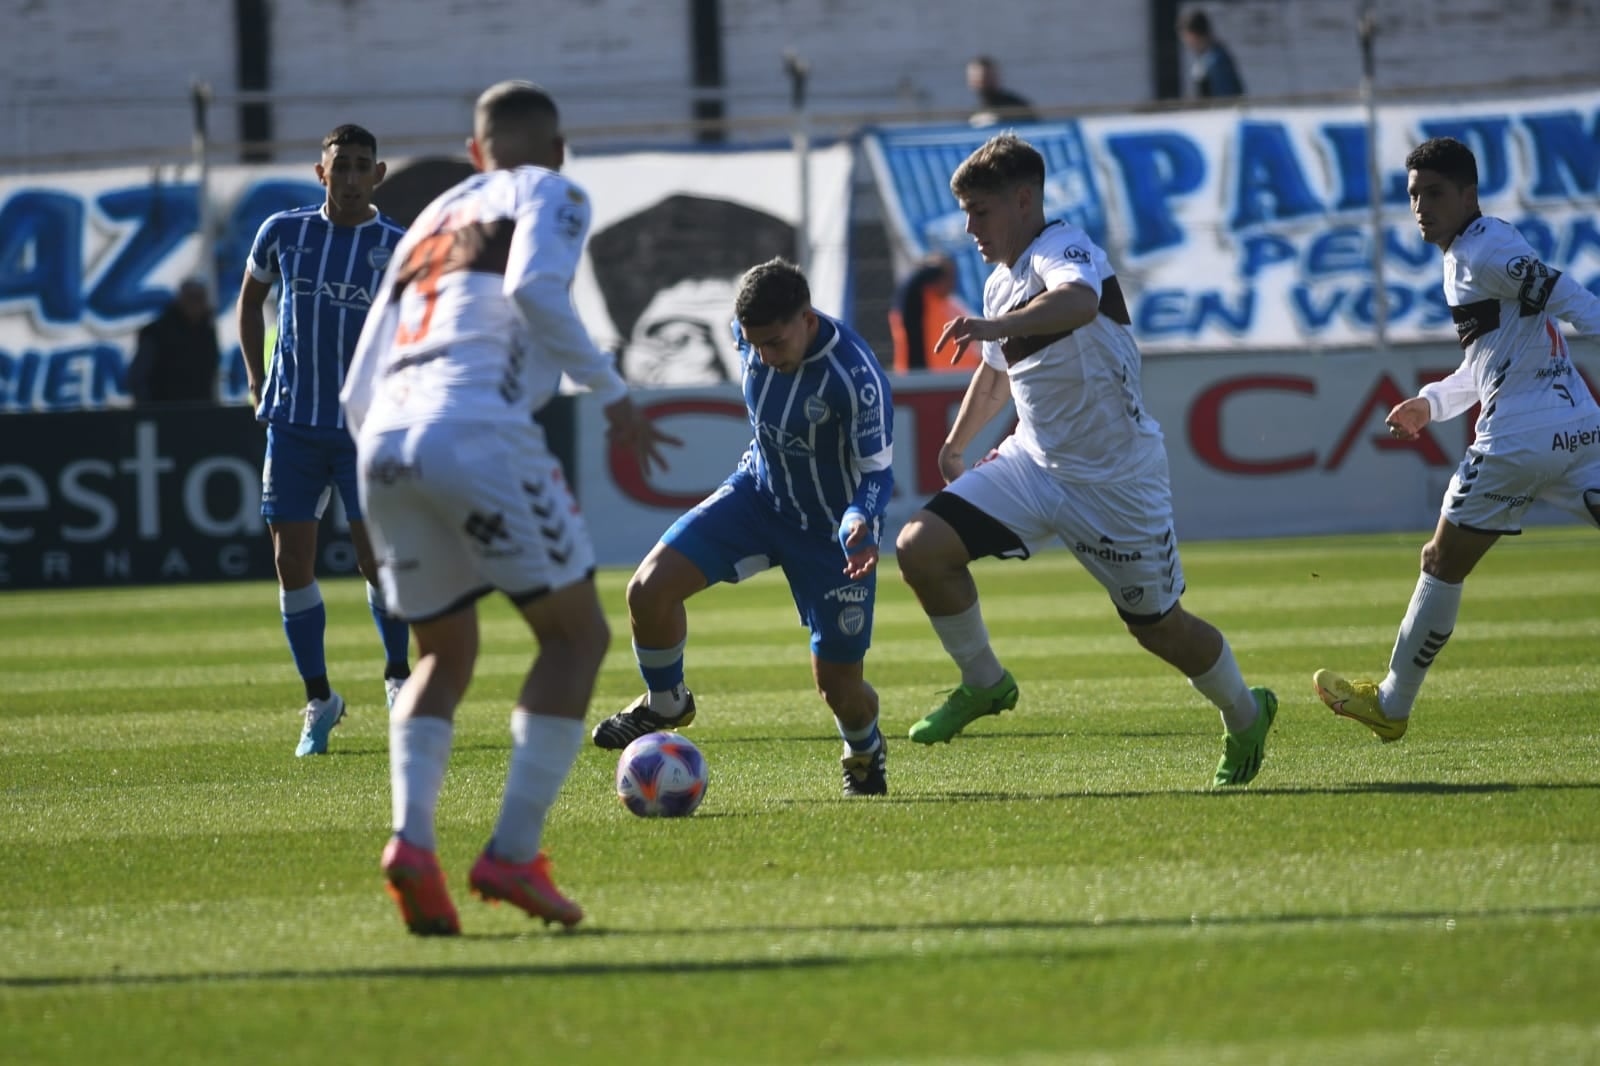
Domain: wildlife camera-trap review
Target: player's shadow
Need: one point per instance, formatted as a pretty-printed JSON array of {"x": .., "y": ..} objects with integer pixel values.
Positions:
[
  {"x": 488, "y": 972},
  {"x": 497, "y": 972},
  {"x": 1435, "y": 788},
  {"x": 1180, "y": 921}
]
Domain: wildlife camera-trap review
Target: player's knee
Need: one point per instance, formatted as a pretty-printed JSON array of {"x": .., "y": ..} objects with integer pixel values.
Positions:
[
  {"x": 916, "y": 550},
  {"x": 294, "y": 565},
  {"x": 591, "y": 639},
  {"x": 642, "y": 593},
  {"x": 1432, "y": 559},
  {"x": 1161, "y": 636}
]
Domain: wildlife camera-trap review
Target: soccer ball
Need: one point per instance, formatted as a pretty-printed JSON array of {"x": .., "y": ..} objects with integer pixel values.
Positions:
[{"x": 661, "y": 775}]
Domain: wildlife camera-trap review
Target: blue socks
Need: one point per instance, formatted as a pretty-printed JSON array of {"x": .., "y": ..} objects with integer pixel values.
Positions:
[
  {"x": 304, "y": 622},
  {"x": 396, "y": 636}
]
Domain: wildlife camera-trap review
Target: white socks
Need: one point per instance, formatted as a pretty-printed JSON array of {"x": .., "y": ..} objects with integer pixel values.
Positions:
[
  {"x": 419, "y": 751},
  {"x": 543, "y": 750},
  {"x": 1429, "y": 621},
  {"x": 1224, "y": 686},
  {"x": 966, "y": 640}
]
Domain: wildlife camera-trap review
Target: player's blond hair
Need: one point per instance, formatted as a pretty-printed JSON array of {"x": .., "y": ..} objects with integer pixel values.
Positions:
[{"x": 1003, "y": 161}]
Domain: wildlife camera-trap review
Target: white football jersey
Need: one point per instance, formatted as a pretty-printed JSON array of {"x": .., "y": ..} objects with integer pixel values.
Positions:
[
  {"x": 1505, "y": 302},
  {"x": 1080, "y": 407},
  {"x": 474, "y": 319}
]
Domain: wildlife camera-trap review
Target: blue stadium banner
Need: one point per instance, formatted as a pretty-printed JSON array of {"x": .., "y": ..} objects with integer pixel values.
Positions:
[
  {"x": 1250, "y": 228},
  {"x": 88, "y": 258}
]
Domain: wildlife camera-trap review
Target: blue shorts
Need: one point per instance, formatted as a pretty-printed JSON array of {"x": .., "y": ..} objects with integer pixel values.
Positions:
[
  {"x": 303, "y": 463},
  {"x": 733, "y": 534}
]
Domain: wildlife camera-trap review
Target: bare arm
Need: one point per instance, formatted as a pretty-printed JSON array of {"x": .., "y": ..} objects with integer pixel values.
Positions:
[
  {"x": 1057, "y": 310},
  {"x": 987, "y": 395},
  {"x": 253, "y": 334}
]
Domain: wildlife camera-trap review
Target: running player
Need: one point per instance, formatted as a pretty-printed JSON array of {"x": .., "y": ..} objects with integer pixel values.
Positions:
[
  {"x": 1086, "y": 463},
  {"x": 808, "y": 496},
  {"x": 1538, "y": 430}
]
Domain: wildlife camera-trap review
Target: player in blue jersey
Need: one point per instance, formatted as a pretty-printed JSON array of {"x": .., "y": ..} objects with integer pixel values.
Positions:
[
  {"x": 808, "y": 496},
  {"x": 326, "y": 260}
]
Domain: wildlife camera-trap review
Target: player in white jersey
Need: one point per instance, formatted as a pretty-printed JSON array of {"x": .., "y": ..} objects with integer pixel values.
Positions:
[
  {"x": 468, "y": 337},
  {"x": 1085, "y": 465},
  {"x": 1538, "y": 430}
]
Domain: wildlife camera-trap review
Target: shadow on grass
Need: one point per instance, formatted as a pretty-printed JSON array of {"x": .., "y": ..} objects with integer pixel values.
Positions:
[
  {"x": 1413, "y": 788},
  {"x": 811, "y": 962},
  {"x": 499, "y": 972},
  {"x": 1185, "y": 921},
  {"x": 494, "y": 972}
]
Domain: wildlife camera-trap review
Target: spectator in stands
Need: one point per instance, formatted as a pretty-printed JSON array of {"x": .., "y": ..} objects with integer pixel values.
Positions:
[
  {"x": 1212, "y": 71},
  {"x": 923, "y": 303},
  {"x": 996, "y": 105},
  {"x": 177, "y": 357}
]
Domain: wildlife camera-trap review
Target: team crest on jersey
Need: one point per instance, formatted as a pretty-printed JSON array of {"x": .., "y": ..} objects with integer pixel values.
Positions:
[
  {"x": 574, "y": 195},
  {"x": 1132, "y": 594},
  {"x": 1537, "y": 282},
  {"x": 815, "y": 409},
  {"x": 852, "y": 620},
  {"x": 379, "y": 257},
  {"x": 570, "y": 221}
]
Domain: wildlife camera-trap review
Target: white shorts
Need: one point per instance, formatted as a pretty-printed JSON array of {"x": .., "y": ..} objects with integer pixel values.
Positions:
[
  {"x": 459, "y": 509},
  {"x": 1494, "y": 486},
  {"x": 1120, "y": 531}
]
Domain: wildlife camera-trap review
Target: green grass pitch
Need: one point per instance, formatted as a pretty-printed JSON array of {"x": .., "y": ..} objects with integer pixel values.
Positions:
[{"x": 1059, "y": 886}]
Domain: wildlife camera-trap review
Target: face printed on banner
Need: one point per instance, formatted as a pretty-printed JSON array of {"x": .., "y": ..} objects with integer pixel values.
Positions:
[
  {"x": 682, "y": 336},
  {"x": 668, "y": 276}
]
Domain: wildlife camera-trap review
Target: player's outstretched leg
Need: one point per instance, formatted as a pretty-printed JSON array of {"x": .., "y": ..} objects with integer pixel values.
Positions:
[
  {"x": 1244, "y": 751},
  {"x": 1359, "y": 701},
  {"x": 963, "y": 706},
  {"x": 416, "y": 884},
  {"x": 321, "y": 717}
]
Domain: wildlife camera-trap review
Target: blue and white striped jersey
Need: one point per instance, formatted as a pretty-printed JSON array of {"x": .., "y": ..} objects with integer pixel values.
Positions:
[
  {"x": 820, "y": 430},
  {"x": 327, "y": 276}
]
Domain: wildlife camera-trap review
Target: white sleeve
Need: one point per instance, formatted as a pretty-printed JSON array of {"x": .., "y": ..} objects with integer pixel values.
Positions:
[
  {"x": 552, "y": 222},
  {"x": 1511, "y": 270},
  {"x": 1068, "y": 258},
  {"x": 1450, "y": 396},
  {"x": 377, "y": 337},
  {"x": 546, "y": 302},
  {"x": 1574, "y": 305}
]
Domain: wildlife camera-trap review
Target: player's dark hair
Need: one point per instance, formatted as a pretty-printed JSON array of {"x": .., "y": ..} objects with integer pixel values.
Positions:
[
  {"x": 1197, "y": 23},
  {"x": 774, "y": 291},
  {"x": 351, "y": 134},
  {"x": 510, "y": 102},
  {"x": 1004, "y": 160},
  {"x": 1446, "y": 156}
]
